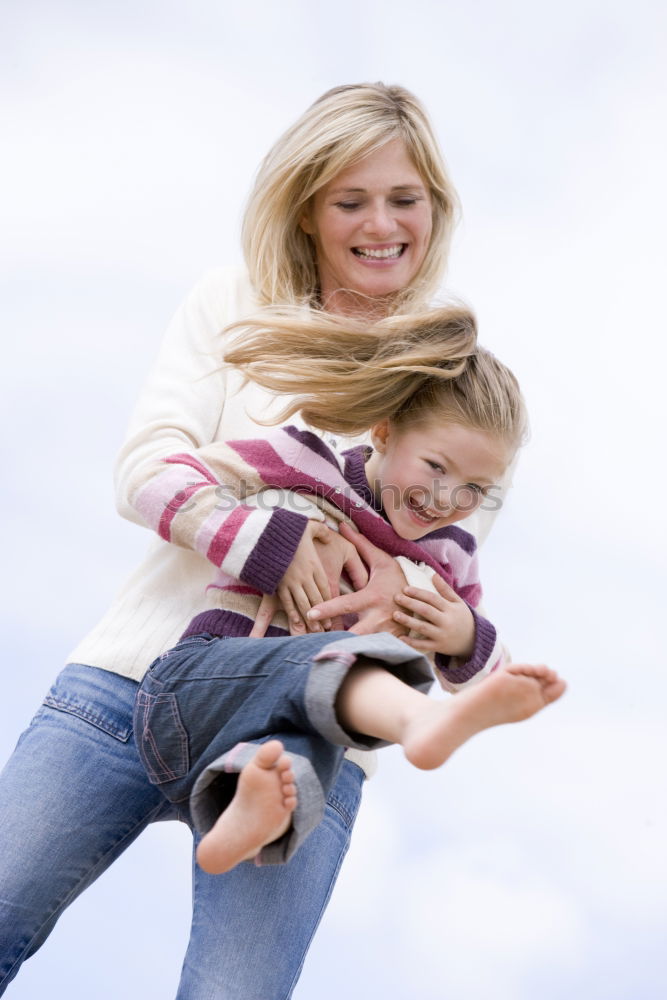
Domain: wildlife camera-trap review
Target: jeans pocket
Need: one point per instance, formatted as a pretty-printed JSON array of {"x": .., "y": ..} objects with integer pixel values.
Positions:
[
  {"x": 101, "y": 717},
  {"x": 162, "y": 739}
]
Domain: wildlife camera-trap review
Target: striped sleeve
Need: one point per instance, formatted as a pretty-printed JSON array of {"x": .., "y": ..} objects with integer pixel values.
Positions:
[
  {"x": 456, "y": 548},
  {"x": 196, "y": 500},
  {"x": 488, "y": 655}
]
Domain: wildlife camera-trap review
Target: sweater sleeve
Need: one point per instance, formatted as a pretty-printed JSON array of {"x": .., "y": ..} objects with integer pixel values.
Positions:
[
  {"x": 172, "y": 474},
  {"x": 182, "y": 400},
  {"x": 211, "y": 501},
  {"x": 488, "y": 653}
]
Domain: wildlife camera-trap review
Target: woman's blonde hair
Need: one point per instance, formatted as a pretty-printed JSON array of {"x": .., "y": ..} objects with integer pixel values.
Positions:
[
  {"x": 345, "y": 375},
  {"x": 343, "y": 126}
]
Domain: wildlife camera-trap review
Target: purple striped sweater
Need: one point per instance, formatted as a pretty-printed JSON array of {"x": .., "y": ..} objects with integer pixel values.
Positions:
[{"x": 244, "y": 505}]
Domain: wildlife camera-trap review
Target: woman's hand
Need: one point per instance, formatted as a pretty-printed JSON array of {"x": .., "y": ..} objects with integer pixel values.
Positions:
[
  {"x": 445, "y": 623},
  {"x": 374, "y": 603},
  {"x": 313, "y": 576}
]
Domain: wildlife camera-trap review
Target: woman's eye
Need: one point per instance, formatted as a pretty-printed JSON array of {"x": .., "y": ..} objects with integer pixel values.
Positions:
[
  {"x": 347, "y": 206},
  {"x": 405, "y": 202},
  {"x": 436, "y": 467},
  {"x": 475, "y": 488}
]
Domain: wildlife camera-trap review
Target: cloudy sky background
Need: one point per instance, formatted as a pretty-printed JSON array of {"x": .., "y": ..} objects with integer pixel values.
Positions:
[{"x": 533, "y": 864}]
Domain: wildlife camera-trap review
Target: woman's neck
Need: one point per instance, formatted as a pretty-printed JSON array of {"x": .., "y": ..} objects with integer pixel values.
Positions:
[{"x": 355, "y": 305}]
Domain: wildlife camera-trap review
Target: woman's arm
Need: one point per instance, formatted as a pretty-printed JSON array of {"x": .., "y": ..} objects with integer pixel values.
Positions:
[
  {"x": 188, "y": 401},
  {"x": 183, "y": 401}
]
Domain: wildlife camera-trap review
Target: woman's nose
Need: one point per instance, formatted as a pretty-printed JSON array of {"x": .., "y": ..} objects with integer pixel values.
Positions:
[{"x": 379, "y": 221}]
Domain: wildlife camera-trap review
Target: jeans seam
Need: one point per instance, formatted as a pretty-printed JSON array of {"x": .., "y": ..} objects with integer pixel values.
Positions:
[
  {"x": 79, "y": 712},
  {"x": 338, "y": 806}
]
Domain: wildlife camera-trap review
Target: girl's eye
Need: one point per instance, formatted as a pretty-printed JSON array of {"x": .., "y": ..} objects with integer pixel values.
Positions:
[
  {"x": 474, "y": 488},
  {"x": 436, "y": 467}
]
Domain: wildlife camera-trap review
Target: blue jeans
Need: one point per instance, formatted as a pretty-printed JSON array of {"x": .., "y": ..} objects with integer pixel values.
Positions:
[
  {"x": 74, "y": 795},
  {"x": 205, "y": 704}
]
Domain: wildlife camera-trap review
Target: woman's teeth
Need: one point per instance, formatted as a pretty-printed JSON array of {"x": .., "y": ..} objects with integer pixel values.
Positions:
[{"x": 371, "y": 254}]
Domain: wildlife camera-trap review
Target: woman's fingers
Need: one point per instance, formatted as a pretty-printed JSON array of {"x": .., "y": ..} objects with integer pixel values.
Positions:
[
  {"x": 345, "y": 604},
  {"x": 268, "y": 606},
  {"x": 369, "y": 553},
  {"x": 355, "y": 568}
]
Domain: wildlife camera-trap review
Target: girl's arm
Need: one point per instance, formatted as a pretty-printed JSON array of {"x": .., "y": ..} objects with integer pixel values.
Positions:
[
  {"x": 186, "y": 498},
  {"x": 464, "y": 644}
]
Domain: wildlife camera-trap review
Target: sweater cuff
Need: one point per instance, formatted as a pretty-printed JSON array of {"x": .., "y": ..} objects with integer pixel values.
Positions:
[
  {"x": 274, "y": 551},
  {"x": 485, "y": 639}
]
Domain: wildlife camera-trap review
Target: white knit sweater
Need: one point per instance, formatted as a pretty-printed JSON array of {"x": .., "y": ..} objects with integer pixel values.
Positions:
[{"x": 187, "y": 401}]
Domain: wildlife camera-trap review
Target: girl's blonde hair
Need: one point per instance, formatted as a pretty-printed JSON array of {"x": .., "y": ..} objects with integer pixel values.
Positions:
[
  {"x": 343, "y": 126},
  {"x": 345, "y": 375}
]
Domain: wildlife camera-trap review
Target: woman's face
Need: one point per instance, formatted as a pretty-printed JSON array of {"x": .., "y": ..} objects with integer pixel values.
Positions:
[{"x": 371, "y": 225}]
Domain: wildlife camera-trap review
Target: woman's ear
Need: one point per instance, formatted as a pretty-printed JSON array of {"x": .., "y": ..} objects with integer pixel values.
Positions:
[{"x": 380, "y": 435}]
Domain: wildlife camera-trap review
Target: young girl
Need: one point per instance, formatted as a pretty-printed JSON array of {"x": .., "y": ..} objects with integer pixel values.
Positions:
[{"x": 445, "y": 421}]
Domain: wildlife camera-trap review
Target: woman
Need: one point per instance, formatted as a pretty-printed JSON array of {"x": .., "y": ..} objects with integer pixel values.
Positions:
[{"x": 351, "y": 212}]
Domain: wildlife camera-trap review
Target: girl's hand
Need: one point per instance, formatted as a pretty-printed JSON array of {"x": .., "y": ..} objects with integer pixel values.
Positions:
[
  {"x": 339, "y": 557},
  {"x": 445, "y": 623},
  {"x": 305, "y": 582},
  {"x": 323, "y": 554},
  {"x": 374, "y": 602}
]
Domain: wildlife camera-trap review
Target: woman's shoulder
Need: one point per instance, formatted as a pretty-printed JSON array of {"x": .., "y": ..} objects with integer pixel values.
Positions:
[
  {"x": 223, "y": 281},
  {"x": 226, "y": 291}
]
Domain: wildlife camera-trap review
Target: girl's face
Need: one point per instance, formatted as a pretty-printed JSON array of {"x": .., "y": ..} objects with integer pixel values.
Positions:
[
  {"x": 371, "y": 225},
  {"x": 431, "y": 475}
]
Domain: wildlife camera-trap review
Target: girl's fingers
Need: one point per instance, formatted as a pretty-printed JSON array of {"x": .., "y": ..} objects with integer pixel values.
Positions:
[
  {"x": 294, "y": 618},
  {"x": 419, "y": 605},
  {"x": 314, "y": 593},
  {"x": 320, "y": 586},
  {"x": 444, "y": 589},
  {"x": 424, "y": 628},
  {"x": 304, "y": 598},
  {"x": 427, "y": 645}
]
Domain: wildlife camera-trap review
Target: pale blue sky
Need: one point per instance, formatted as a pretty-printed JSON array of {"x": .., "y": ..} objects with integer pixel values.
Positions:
[{"x": 534, "y": 864}]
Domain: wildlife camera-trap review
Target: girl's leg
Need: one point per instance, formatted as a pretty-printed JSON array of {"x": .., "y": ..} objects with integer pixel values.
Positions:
[
  {"x": 252, "y": 927},
  {"x": 373, "y": 702},
  {"x": 260, "y": 812},
  {"x": 73, "y": 796}
]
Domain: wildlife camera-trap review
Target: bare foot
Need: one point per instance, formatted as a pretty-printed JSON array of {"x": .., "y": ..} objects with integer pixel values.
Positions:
[
  {"x": 509, "y": 695},
  {"x": 260, "y": 812}
]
